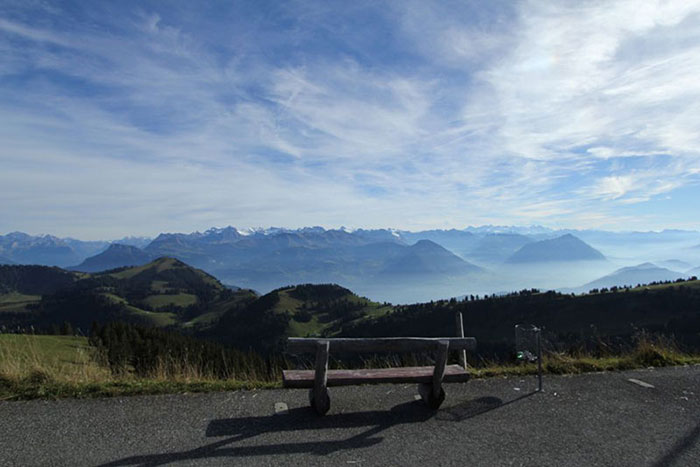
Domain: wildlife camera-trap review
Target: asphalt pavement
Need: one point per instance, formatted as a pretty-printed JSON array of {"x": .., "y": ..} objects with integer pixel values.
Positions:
[{"x": 636, "y": 418}]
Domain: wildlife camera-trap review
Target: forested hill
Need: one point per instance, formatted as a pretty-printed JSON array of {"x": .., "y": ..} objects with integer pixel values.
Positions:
[
  {"x": 34, "y": 280},
  {"x": 612, "y": 316},
  {"x": 296, "y": 310}
]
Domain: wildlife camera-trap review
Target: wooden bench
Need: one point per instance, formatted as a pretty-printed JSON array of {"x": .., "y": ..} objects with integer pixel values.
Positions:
[{"x": 429, "y": 378}]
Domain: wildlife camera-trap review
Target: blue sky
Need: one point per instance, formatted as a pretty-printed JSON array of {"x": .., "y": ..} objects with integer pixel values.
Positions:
[{"x": 124, "y": 118}]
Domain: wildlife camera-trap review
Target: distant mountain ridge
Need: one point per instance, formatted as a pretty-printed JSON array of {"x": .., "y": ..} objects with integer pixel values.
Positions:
[
  {"x": 115, "y": 256},
  {"x": 49, "y": 250},
  {"x": 428, "y": 257},
  {"x": 564, "y": 248},
  {"x": 644, "y": 273},
  {"x": 694, "y": 272}
]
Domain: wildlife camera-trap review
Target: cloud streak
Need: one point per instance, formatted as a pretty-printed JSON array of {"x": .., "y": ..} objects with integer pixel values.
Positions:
[{"x": 133, "y": 119}]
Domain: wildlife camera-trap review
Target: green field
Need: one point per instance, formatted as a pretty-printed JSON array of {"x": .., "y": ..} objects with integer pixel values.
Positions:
[
  {"x": 156, "y": 318},
  {"x": 180, "y": 299},
  {"x": 16, "y": 302}
]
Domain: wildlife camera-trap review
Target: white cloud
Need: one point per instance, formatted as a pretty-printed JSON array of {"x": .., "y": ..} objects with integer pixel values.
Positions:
[{"x": 495, "y": 116}]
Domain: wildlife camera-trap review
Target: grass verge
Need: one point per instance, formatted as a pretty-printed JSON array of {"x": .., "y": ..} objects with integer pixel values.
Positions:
[
  {"x": 53, "y": 367},
  {"x": 647, "y": 352}
]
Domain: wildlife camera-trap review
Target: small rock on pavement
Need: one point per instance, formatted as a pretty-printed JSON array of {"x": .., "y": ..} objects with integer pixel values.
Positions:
[{"x": 281, "y": 408}]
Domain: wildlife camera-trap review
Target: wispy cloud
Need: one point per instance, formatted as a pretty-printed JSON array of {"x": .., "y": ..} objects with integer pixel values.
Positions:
[{"x": 144, "y": 118}]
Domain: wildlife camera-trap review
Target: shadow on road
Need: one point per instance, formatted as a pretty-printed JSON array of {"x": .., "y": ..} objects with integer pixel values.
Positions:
[
  {"x": 300, "y": 419},
  {"x": 683, "y": 445}
]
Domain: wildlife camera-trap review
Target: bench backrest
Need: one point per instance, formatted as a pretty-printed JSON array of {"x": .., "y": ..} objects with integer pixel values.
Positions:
[{"x": 378, "y": 344}]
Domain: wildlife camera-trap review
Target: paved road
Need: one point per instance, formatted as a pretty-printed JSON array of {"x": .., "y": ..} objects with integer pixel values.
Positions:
[{"x": 595, "y": 419}]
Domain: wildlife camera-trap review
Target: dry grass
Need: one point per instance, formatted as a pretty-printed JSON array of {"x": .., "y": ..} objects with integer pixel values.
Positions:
[
  {"x": 61, "y": 366},
  {"x": 33, "y": 366},
  {"x": 59, "y": 358},
  {"x": 647, "y": 352}
]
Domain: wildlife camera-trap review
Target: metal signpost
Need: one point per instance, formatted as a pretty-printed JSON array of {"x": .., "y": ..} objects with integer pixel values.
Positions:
[{"x": 528, "y": 347}]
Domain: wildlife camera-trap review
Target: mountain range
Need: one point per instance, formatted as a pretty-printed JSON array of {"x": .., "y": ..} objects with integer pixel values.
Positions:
[{"x": 386, "y": 264}]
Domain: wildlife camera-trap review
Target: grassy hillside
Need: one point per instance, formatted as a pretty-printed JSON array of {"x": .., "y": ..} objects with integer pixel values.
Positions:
[
  {"x": 165, "y": 292},
  {"x": 15, "y": 302}
]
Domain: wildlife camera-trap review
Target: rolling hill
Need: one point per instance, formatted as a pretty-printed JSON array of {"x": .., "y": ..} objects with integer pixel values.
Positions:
[
  {"x": 165, "y": 292},
  {"x": 560, "y": 249}
]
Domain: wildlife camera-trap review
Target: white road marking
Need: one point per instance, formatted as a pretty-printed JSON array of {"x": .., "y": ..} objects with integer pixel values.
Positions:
[
  {"x": 641, "y": 383},
  {"x": 281, "y": 408}
]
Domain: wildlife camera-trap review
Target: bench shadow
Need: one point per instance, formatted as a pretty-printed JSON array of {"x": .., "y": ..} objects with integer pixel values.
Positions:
[
  {"x": 685, "y": 444},
  {"x": 300, "y": 419}
]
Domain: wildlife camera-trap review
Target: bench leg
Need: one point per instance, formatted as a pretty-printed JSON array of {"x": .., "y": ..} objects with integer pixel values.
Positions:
[
  {"x": 433, "y": 394},
  {"x": 426, "y": 393},
  {"x": 319, "y": 398},
  {"x": 320, "y": 404}
]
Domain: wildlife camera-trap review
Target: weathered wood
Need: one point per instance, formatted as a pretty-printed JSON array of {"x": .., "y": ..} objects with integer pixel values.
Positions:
[
  {"x": 416, "y": 374},
  {"x": 460, "y": 333},
  {"x": 443, "y": 347},
  {"x": 320, "y": 399},
  {"x": 378, "y": 344}
]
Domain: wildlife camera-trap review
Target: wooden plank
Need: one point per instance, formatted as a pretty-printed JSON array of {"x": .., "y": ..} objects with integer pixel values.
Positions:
[
  {"x": 379, "y": 344},
  {"x": 416, "y": 374}
]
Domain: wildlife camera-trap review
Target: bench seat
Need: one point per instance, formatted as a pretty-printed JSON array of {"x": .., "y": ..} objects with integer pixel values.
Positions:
[{"x": 414, "y": 374}]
